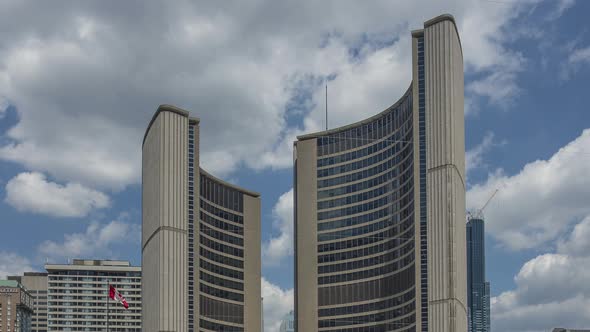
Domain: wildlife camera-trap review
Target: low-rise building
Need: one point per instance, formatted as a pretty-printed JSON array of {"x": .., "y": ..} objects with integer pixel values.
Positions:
[
  {"x": 36, "y": 284},
  {"x": 16, "y": 307},
  {"x": 78, "y": 294}
]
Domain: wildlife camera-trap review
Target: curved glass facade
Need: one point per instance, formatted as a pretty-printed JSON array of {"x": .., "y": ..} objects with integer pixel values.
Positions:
[
  {"x": 221, "y": 256},
  {"x": 365, "y": 229},
  {"x": 380, "y": 206}
]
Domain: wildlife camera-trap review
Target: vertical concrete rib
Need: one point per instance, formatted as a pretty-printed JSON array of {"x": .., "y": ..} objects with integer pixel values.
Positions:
[
  {"x": 306, "y": 283},
  {"x": 445, "y": 176},
  {"x": 252, "y": 266},
  {"x": 164, "y": 225}
]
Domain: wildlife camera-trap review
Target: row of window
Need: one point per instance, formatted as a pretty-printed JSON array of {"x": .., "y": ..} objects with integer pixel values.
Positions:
[
  {"x": 338, "y": 143},
  {"x": 221, "y": 270},
  {"x": 393, "y": 145},
  {"x": 406, "y": 324},
  {"x": 363, "y": 241},
  {"x": 365, "y": 173},
  {"x": 219, "y": 327},
  {"x": 367, "y": 262},
  {"x": 217, "y": 223},
  {"x": 221, "y": 236},
  {"x": 365, "y": 274},
  {"x": 221, "y": 258},
  {"x": 377, "y": 317},
  {"x": 390, "y": 285},
  {"x": 191, "y": 225},
  {"x": 221, "y": 247},
  {"x": 221, "y": 282},
  {"x": 219, "y": 310},
  {"x": 220, "y": 293},
  {"x": 351, "y": 221},
  {"x": 370, "y": 183},
  {"x": 367, "y": 133},
  {"x": 365, "y": 206},
  {"x": 373, "y": 306},
  {"x": 405, "y": 213},
  {"x": 95, "y": 273},
  {"x": 220, "y": 194},
  {"x": 388, "y": 187},
  {"x": 422, "y": 155},
  {"x": 381, "y": 247},
  {"x": 221, "y": 213}
]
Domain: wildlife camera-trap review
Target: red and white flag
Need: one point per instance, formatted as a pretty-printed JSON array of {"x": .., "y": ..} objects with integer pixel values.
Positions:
[{"x": 115, "y": 295}]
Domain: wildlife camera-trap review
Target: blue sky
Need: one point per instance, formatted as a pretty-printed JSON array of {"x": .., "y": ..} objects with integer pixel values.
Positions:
[{"x": 78, "y": 84}]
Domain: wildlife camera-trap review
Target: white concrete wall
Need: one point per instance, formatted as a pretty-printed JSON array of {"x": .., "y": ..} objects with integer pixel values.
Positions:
[
  {"x": 306, "y": 236},
  {"x": 165, "y": 223},
  {"x": 445, "y": 178}
]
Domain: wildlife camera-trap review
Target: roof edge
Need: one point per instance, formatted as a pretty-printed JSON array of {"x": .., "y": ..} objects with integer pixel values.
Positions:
[
  {"x": 227, "y": 184},
  {"x": 442, "y": 18},
  {"x": 167, "y": 108},
  {"x": 417, "y": 33},
  {"x": 358, "y": 123}
]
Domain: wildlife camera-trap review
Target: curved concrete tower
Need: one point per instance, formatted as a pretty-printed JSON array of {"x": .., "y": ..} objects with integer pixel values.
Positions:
[
  {"x": 380, "y": 207},
  {"x": 200, "y": 237}
]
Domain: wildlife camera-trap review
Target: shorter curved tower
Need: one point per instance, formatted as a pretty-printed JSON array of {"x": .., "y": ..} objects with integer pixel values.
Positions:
[
  {"x": 380, "y": 207},
  {"x": 200, "y": 237}
]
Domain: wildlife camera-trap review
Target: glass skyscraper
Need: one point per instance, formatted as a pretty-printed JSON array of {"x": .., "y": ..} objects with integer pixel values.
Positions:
[
  {"x": 478, "y": 289},
  {"x": 380, "y": 207}
]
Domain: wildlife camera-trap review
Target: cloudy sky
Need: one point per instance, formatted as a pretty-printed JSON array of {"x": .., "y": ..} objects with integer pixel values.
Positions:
[{"x": 79, "y": 82}]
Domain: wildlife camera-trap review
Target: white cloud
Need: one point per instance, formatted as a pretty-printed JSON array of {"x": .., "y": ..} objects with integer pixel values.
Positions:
[
  {"x": 4, "y": 104},
  {"x": 551, "y": 289},
  {"x": 577, "y": 244},
  {"x": 561, "y": 7},
  {"x": 91, "y": 73},
  {"x": 537, "y": 204},
  {"x": 581, "y": 55},
  {"x": 12, "y": 264},
  {"x": 474, "y": 156},
  {"x": 281, "y": 246},
  {"x": 277, "y": 303},
  {"x": 98, "y": 241},
  {"x": 32, "y": 192}
]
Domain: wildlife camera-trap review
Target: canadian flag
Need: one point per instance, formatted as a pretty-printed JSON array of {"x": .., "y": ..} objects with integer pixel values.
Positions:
[{"x": 115, "y": 295}]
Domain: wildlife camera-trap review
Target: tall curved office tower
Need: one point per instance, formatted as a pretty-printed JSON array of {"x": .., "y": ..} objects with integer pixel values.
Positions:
[
  {"x": 200, "y": 237},
  {"x": 380, "y": 207}
]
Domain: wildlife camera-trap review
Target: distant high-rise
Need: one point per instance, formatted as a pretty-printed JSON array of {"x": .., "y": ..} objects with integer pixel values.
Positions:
[
  {"x": 288, "y": 323},
  {"x": 77, "y": 296},
  {"x": 200, "y": 237},
  {"x": 380, "y": 207},
  {"x": 478, "y": 289},
  {"x": 36, "y": 284}
]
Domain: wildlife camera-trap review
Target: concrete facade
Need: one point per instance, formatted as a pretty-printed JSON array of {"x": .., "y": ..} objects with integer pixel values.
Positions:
[
  {"x": 201, "y": 236},
  {"x": 77, "y": 296},
  {"x": 16, "y": 307},
  {"x": 164, "y": 222},
  {"x": 36, "y": 284},
  {"x": 380, "y": 207}
]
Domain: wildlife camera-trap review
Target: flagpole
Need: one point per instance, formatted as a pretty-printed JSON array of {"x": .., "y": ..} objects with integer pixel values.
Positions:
[{"x": 108, "y": 300}]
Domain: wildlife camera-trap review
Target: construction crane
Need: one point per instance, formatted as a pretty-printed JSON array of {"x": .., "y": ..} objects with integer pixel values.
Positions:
[{"x": 478, "y": 214}]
